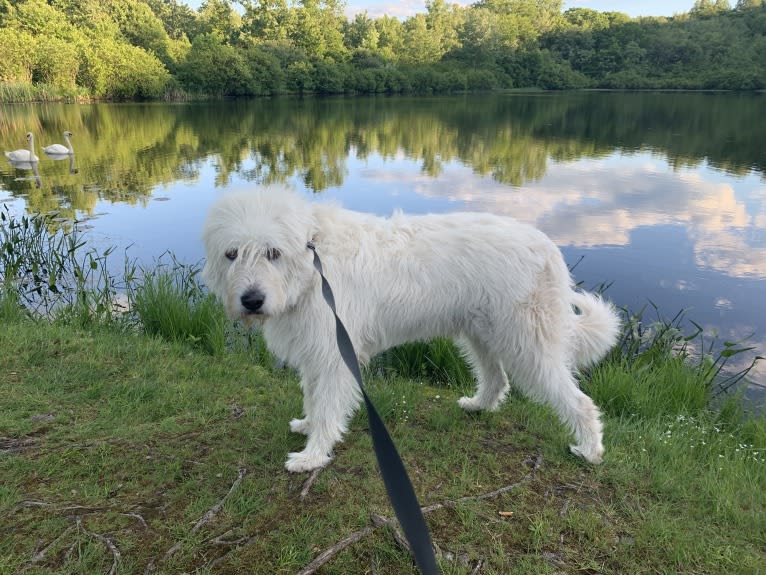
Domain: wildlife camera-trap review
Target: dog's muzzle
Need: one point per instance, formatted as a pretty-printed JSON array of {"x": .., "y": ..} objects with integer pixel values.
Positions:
[{"x": 252, "y": 300}]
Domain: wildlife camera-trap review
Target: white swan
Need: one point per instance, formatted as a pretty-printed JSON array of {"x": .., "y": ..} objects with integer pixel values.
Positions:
[
  {"x": 24, "y": 155},
  {"x": 58, "y": 149}
]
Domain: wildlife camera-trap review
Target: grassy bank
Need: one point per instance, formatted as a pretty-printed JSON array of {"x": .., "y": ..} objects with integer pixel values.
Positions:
[
  {"x": 152, "y": 444},
  {"x": 11, "y": 93}
]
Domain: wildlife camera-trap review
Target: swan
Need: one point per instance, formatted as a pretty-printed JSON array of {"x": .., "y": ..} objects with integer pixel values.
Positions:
[
  {"x": 24, "y": 155},
  {"x": 58, "y": 149}
]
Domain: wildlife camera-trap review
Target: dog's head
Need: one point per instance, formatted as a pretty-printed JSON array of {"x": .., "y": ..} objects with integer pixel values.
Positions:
[{"x": 257, "y": 260}]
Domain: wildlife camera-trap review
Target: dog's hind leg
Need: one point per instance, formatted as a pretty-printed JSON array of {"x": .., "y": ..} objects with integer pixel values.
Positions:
[
  {"x": 491, "y": 380},
  {"x": 547, "y": 378},
  {"x": 333, "y": 397}
]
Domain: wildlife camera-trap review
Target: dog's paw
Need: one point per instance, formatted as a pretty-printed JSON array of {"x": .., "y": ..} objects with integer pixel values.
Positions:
[
  {"x": 300, "y": 461},
  {"x": 469, "y": 404},
  {"x": 593, "y": 455},
  {"x": 300, "y": 426}
]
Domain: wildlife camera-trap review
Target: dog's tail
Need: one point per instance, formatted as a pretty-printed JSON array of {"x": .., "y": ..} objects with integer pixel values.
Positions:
[{"x": 597, "y": 327}]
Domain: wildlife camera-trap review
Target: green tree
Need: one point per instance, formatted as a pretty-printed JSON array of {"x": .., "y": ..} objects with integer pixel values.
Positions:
[
  {"x": 420, "y": 46},
  {"x": 709, "y": 7},
  {"x": 361, "y": 33},
  {"x": 541, "y": 15},
  {"x": 215, "y": 68},
  {"x": 268, "y": 20},
  {"x": 219, "y": 17},
  {"x": 481, "y": 38},
  {"x": 318, "y": 29},
  {"x": 141, "y": 27},
  {"x": 56, "y": 63},
  {"x": 586, "y": 19},
  {"x": 390, "y": 37},
  {"x": 18, "y": 50},
  {"x": 266, "y": 73},
  {"x": 40, "y": 19},
  {"x": 114, "y": 70},
  {"x": 179, "y": 20},
  {"x": 444, "y": 21}
]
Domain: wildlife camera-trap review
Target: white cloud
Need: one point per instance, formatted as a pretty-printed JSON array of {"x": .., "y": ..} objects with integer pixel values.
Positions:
[{"x": 598, "y": 203}]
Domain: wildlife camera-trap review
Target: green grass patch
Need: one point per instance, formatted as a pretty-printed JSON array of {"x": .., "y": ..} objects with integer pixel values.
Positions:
[
  {"x": 108, "y": 434},
  {"x": 168, "y": 301},
  {"x": 17, "y": 92}
]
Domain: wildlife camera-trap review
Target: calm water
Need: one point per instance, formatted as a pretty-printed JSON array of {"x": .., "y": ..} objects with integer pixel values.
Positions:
[{"x": 663, "y": 194}]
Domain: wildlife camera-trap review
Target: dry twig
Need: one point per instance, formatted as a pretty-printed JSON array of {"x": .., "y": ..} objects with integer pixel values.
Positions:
[
  {"x": 221, "y": 539},
  {"x": 139, "y": 517},
  {"x": 380, "y": 521},
  {"x": 106, "y": 541},
  {"x": 212, "y": 512},
  {"x": 39, "y": 556},
  {"x": 309, "y": 482},
  {"x": 327, "y": 554}
]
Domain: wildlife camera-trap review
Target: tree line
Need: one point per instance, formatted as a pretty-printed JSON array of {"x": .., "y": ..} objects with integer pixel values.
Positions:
[{"x": 148, "y": 49}]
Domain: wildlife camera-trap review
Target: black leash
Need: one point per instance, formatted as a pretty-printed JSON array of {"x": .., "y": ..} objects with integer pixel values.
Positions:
[{"x": 398, "y": 485}]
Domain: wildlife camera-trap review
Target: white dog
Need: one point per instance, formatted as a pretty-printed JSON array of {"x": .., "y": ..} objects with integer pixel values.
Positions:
[{"x": 498, "y": 287}]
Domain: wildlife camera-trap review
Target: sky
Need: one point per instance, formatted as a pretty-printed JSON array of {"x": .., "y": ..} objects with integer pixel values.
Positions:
[{"x": 404, "y": 8}]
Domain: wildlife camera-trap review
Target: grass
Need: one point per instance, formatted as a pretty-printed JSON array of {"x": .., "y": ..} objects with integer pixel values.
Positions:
[
  {"x": 17, "y": 92},
  {"x": 168, "y": 301},
  {"x": 129, "y": 445}
]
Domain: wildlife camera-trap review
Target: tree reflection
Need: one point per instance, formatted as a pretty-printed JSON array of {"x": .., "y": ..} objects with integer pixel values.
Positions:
[{"x": 126, "y": 150}]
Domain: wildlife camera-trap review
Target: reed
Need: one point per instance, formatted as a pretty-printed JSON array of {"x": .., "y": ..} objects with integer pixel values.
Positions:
[
  {"x": 16, "y": 92},
  {"x": 438, "y": 361},
  {"x": 47, "y": 269},
  {"x": 168, "y": 300}
]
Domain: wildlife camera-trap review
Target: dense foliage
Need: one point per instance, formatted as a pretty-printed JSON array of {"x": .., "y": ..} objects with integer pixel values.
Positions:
[{"x": 163, "y": 48}]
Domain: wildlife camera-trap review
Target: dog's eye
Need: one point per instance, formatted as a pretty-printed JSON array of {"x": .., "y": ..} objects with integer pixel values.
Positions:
[
  {"x": 273, "y": 254},
  {"x": 231, "y": 254}
]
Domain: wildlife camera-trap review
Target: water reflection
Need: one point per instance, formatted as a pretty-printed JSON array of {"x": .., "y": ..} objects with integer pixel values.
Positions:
[
  {"x": 23, "y": 165},
  {"x": 665, "y": 193},
  {"x": 60, "y": 157}
]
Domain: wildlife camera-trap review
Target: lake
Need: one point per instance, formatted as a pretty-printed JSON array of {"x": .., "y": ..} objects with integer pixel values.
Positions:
[{"x": 661, "y": 194}]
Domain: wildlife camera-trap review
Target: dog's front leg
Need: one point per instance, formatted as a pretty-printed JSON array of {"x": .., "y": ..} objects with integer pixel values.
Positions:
[
  {"x": 329, "y": 402},
  {"x": 304, "y": 425}
]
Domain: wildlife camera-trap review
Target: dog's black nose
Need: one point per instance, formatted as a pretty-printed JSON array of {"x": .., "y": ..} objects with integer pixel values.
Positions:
[{"x": 252, "y": 300}]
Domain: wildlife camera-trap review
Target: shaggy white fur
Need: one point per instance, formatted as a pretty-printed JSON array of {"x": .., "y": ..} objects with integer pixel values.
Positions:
[{"x": 498, "y": 287}]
